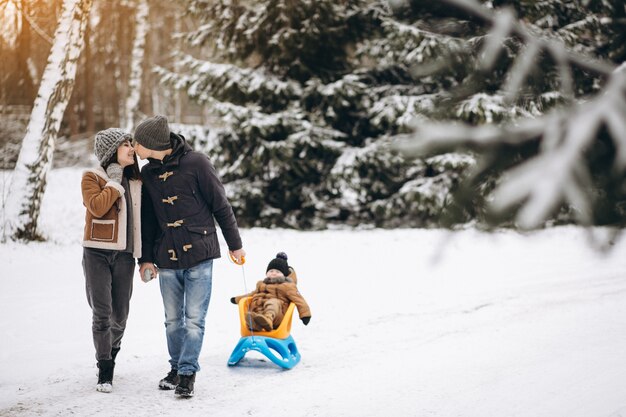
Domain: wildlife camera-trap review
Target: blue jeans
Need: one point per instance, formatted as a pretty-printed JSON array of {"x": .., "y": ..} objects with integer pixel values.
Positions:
[{"x": 186, "y": 294}]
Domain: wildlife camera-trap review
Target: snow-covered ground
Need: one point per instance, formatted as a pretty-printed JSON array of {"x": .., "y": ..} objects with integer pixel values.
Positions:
[{"x": 405, "y": 323}]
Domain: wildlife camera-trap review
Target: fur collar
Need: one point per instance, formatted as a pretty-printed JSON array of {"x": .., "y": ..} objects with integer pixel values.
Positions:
[
  {"x": 277, "y": 280},
  {"x": 99, "y": 171}
]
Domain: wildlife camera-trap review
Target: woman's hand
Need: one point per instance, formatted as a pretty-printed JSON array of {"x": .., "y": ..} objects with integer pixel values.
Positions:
[
  {"x": 147, "y": 265},
  {"x": 115, "y": 172}
]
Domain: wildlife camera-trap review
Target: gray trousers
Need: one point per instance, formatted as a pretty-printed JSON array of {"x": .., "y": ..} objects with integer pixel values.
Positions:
[{"x": 109, "y": 285}]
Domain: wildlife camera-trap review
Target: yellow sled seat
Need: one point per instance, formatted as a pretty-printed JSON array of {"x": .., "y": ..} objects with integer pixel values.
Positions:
[{"x": 281, "y": 332}]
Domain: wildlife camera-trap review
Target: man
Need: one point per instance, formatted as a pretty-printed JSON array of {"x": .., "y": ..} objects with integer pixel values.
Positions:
[{"x": 182, "y": 195}]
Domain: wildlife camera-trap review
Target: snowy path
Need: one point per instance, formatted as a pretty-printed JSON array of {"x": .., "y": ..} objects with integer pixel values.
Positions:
[{"x": 405, "y": 323}]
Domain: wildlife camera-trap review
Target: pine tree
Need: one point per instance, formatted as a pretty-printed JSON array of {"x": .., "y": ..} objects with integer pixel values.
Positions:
[{"x": 310, "y": 94}]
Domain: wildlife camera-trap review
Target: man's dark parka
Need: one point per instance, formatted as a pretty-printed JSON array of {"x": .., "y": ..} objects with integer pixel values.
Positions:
[{"x": 182, "y": 196}]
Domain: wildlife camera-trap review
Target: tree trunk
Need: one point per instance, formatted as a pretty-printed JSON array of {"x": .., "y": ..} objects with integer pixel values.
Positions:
[
  {"x": 119, "y": 61},
  {"x": 90, "y": 124},
  {"x": 35, "y": 160},
  {"x": 136, "y": 63},
  {"x": 178, "y": 111}
]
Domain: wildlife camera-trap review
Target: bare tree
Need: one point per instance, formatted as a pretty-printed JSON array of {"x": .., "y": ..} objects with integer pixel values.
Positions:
[
  {"x": 35, "y": 160},
  {"x": 136, "y": 63}
]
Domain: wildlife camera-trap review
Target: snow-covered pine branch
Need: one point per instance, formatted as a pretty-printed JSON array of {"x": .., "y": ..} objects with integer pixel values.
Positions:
[
  {"x": 377, "y": 186},
  {"x": 396, "y": 113},
  {"x": 483, "y": 108},
  {"x": 285, "y": 35},
  {"x": 387, "y": 109},
  {"x": 559, "y": 173},
  {"x": 226, "y": 28},
  {"x": 205, "y": 80},
  {"x": 253, "y": 124},
  {"x": 565, "y": 166},
  {"x": 504, "y": 24},
  {"x": 406, "y": 44},
  {"x": 250, "y": 142}
]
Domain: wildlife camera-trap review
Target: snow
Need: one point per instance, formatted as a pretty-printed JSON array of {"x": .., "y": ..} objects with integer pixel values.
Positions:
[{"x": 405, "y": 323}]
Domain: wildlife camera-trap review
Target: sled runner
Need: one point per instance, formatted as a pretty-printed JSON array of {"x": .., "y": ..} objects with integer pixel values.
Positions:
[{"x": 277, "y": 345}]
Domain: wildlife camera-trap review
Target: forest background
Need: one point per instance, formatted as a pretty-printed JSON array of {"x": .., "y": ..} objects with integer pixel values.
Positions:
[{"x": 365, "y": 113}]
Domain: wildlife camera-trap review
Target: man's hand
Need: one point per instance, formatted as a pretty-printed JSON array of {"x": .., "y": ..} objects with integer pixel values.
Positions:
[{"x": 237, "y": 255}]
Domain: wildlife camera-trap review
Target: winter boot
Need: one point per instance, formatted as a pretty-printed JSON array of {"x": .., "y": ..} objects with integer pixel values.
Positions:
[
  {"x": 252, "y": 322},
  {"x": 170, "y": 381},
  {"x": 105, "y": 375},
  {"x": 263, "y": 322},
  {"x": 185, "y": 386}
]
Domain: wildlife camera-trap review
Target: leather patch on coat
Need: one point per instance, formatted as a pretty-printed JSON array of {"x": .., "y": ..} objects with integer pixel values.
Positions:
[{"x": 103, "y": 230}]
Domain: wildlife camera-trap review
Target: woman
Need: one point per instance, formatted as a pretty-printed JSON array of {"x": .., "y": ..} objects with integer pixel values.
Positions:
[{"x": 112, "y": 239}]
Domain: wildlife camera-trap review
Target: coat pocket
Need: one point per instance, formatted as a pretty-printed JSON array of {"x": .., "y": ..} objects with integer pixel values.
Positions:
[
  {"x": 103, "y": 230},
  {"x": 202, "y": 242}
]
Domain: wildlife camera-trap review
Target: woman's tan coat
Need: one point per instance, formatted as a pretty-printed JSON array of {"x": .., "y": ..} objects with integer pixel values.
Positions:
[{"x": 106, "y": 215}]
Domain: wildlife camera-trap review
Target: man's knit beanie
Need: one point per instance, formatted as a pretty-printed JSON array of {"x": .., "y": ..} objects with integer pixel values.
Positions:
[
  {"x": 154, "y": 133},
  {"x": 279, "y": 263},
  {"x": 107, "y": 141}
]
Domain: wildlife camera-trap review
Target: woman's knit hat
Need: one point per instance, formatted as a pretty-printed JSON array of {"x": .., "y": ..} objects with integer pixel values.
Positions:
[
  {"x": 107, "y": 141},
  {"x": 154, "y": 133},
  {"x": 279, "y": 263}
]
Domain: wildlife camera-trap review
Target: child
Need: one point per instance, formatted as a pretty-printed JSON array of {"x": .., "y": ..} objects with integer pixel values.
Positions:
[{"x": 272, "y": 296}]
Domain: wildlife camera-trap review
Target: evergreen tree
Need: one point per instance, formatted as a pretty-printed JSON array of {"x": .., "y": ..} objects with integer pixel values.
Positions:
[{"x": 310, "y": 94}]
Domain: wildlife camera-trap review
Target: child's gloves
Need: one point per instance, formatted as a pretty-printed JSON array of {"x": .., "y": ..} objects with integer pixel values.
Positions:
[
  {"x": 232, "y": 300},
  {"x": 305, "y": 320},
  {"x": 115, "y": 172}
]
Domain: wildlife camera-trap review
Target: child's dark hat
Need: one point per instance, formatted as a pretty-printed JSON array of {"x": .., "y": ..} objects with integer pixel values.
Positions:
[{"x": 279, "y": 263}]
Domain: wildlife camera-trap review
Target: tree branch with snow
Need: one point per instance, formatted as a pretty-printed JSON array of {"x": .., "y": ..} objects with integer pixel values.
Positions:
[{"x": 572, "y": 158}]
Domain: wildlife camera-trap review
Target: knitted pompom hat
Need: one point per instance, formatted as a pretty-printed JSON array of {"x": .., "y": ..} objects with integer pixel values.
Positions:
[
  {"x": 107, "y": 141},
  {"x": 279, "y": 263}
]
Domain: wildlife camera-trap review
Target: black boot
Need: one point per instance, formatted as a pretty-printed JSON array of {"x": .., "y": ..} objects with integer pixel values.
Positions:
[
  {"x": 185, "y": 386},
  {"x": 170, "y": 381},
  {"x": 105, "y": 375}
]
